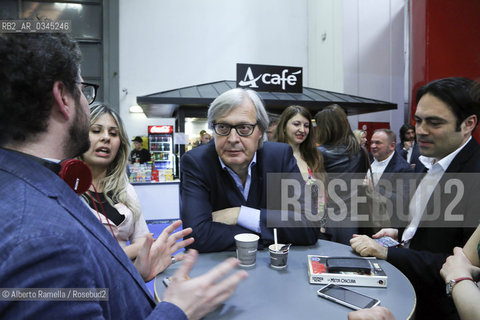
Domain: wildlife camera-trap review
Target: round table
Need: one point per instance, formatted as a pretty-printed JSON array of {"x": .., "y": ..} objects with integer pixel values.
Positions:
[{"x": 287, "y": 294}]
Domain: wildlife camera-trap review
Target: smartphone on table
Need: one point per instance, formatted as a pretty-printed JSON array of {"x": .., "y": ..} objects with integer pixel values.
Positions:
[
  {"x": 347, "y": 297},
  {"x": 387, "y": 242}
]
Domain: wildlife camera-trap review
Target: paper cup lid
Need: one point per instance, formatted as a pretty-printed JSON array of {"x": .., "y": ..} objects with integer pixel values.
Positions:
[{"x": 246, "y": 237}]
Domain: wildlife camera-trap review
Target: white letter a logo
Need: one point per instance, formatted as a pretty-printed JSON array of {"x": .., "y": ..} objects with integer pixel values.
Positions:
[{"x": 249, "y": 80}]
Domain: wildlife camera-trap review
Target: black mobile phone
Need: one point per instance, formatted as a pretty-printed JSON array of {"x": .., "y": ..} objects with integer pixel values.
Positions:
[
  {"x": 336, "y": 264},
  {"x": 346, "y": 297},
  {"x": 387, "y": 242}
]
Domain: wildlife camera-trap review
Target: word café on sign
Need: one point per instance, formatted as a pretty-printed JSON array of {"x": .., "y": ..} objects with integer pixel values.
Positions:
[{"x": 270, "y": 78}]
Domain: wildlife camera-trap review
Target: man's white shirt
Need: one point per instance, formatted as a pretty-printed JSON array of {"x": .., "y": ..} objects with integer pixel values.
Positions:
[
  {"x": 248, "y": 218},
  {"x": 424, "y": 191},
  {"x": 378, "y": 167},
  {"x": 409, "y": 152}
]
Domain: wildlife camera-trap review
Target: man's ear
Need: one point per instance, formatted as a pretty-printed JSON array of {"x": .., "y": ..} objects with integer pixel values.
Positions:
[
  {"x": 470, "y": 122},
  {"x": 62, "y": 99}
]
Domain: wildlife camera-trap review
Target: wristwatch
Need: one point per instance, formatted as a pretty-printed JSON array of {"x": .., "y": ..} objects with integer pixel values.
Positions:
[{"x": 450, "y": 284}]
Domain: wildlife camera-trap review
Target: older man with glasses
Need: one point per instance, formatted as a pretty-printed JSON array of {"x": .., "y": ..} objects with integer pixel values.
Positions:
[{"x": 224, "y": 184}]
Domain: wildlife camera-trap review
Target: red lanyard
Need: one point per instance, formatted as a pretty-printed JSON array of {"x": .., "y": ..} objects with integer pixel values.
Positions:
[{"x": 103, "y": 211}]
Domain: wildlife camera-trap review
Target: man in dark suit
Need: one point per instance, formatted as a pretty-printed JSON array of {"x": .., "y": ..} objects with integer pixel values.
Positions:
[
  {"x": 388, "y": 171},
  {"x": 440, "y": 217},
  {"x": 50, "y": 238},
  {"x": 224, "y": 183},
  {"x": 385, "y": 158},
  {"x": 408, "y": 148}
]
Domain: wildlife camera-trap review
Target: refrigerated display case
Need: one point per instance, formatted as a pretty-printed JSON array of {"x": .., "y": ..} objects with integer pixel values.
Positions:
[
  {"x": 193, "y": 130},
  {"x": 160, "y": 142}
]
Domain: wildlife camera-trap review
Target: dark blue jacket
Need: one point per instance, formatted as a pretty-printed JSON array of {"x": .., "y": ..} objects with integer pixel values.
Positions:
[
  {"x": 51, "y": 239},
  {"x": 403, "y": 153},
  {"x": 434, "y": 241},
  {"x": 394, "y": 184},
  {"x": 205, "y": 187},
  {"x": 396, "y": 169},
  {"x": 397, "y": 164}
]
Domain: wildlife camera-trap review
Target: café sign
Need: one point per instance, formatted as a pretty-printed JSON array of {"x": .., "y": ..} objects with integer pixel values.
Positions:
[{"x": 269, "y": 78}]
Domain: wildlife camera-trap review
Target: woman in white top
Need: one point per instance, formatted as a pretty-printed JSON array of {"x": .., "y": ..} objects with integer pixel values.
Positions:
[
  {"x": 114, "y": 202},
  {"x": 112, "y": 194}
]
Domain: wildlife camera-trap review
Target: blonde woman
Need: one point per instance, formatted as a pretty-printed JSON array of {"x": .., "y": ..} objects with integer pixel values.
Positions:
[
  {"x": 112, "y": 194},
  {"x": 361, "y": 136},
  {"x": 114, "y": 201}
]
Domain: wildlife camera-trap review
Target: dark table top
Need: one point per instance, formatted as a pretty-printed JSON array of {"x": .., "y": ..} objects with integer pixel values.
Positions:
[{"x": 287, "y": 294}]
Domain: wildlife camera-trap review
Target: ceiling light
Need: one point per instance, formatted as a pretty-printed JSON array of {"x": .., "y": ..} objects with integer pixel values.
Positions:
[{"x": 136, "y": 109}]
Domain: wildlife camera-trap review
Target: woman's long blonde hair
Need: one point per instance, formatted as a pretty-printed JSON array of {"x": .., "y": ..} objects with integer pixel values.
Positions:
[{"x": 116, "y": 180}]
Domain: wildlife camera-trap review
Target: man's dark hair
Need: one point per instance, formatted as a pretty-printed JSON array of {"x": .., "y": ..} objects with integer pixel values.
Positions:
[
  {"x": 461, "y": 95},
  {"x": 404, "y": 129},
  {"x": 29, "y": 66},
  {"x": 273, "y": 121}
]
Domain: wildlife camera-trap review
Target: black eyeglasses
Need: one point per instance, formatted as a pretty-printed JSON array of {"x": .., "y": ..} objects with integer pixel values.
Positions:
[
  {"x": 89, "y": 91},
  {"x": 243, "y": 129}
]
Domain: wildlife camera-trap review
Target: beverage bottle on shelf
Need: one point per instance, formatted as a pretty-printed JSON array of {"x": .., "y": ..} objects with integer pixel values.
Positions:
[
  {"x": 154, "y": 175},
  {"x": 148, "y": 171}
]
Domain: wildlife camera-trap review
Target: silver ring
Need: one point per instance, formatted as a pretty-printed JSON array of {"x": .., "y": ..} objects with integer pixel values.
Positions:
[{"x": 173, "y": 260}]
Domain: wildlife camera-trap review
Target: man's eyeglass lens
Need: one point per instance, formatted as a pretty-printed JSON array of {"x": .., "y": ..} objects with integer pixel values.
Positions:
[
  {"x": 90, "y": 91},
  {"x": 243, "y": 130}
]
